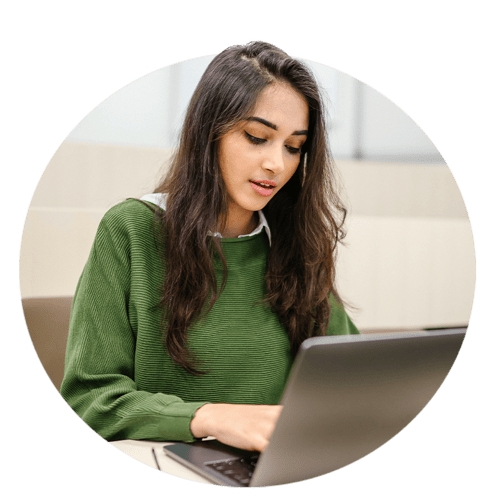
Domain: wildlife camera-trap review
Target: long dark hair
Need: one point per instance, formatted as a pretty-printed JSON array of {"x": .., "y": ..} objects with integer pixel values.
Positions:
[{"x": 306, "y": 216}]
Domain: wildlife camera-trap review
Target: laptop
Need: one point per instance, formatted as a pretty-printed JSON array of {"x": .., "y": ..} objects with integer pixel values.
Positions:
[{"x": 345, "y": 397}]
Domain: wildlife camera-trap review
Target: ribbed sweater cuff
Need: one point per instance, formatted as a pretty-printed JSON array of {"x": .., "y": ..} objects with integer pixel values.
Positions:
[{"x": 177, "y": 419}]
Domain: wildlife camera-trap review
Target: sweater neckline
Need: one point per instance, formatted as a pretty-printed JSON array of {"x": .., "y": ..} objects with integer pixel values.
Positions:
[{"x": 160, "y": 200}]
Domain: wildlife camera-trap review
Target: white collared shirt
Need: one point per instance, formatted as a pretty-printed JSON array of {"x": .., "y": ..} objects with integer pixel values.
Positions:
[{"x": 160, "y": 200}]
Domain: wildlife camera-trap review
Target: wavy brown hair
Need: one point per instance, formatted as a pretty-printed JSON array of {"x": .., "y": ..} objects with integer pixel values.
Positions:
[{"x": 306, "y": 216}]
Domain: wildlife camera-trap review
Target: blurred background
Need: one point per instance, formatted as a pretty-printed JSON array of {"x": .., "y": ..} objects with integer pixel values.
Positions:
[{"x": 409, "y": 257}]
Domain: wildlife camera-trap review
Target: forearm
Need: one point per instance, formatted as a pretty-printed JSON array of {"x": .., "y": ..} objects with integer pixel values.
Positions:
[{"x": 119, "y": 411}]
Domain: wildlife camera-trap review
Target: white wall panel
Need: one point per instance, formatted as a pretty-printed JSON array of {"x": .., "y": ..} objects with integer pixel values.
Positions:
[{"x": 408, "y": 271}]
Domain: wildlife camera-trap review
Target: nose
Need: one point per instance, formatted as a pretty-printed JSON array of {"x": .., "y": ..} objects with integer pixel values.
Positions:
[{"x": 273, "y": 160}]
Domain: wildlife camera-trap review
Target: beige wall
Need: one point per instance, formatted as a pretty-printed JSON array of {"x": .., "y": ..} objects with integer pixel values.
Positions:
[
  {"x": 409, "y": 259},
  {"x": 79, "y": 185}
]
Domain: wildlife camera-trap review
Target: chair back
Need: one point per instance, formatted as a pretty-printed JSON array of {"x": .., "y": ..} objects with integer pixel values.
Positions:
[{"x": 47, "y": 320}]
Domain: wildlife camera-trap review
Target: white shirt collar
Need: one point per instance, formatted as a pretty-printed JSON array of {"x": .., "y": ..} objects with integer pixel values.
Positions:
[{"x": 160, "y": 200}]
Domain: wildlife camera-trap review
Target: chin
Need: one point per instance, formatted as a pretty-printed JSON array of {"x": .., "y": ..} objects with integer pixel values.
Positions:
[
  {"x": 252, "y": 205},
  {"x": 255, "y": 206}
]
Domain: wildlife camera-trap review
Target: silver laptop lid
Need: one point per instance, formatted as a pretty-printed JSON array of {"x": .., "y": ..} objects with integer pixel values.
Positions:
[{"x": 348, "y": 395}]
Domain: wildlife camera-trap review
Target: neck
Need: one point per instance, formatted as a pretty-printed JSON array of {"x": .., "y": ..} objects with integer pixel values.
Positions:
[{"x": 239, "y": 223}]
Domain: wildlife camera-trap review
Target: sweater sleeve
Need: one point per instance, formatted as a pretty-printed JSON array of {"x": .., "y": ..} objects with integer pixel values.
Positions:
[{"x": 99, "y": 368}]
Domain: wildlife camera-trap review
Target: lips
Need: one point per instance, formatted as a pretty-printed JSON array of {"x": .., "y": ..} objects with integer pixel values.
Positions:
[
  {"x": 264, "y": 188},
  {"x": 265, "y": 184}
]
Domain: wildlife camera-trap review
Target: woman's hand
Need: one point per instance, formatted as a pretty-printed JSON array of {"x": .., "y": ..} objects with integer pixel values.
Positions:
[{"x": 247, "y": 427}]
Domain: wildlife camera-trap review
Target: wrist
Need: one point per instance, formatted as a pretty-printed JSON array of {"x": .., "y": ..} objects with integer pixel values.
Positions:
[{"x": 200, "y": 423}]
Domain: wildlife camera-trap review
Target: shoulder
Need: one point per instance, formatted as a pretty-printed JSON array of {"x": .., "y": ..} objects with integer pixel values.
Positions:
[
  {"x": 129, "y": 210},
  {"x": 130, "y": 218},
  {"x": 340, "y": 322}
]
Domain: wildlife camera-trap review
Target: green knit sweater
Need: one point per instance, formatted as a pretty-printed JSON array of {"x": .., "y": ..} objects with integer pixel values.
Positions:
[{"x": 119, "y": 378}]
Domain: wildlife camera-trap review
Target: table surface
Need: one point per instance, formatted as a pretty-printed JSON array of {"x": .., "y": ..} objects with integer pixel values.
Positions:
[{"x": 151, "y": 453}]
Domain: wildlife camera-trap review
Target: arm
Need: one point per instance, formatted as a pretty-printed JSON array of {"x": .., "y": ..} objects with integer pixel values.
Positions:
[{"x": 100, "y": 359}]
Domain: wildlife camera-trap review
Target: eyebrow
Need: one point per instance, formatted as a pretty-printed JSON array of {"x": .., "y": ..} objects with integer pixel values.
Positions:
[{"x": 273, "y": 126}]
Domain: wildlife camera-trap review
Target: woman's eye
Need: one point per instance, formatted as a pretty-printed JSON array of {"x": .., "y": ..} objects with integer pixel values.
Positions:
[
  {"x": 293, "y": 150},
  {"x": 254, "y": 139},
  {"x": 260, "y": 141}
]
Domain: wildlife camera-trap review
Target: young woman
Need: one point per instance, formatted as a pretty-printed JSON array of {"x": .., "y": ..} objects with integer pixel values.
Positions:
[{"x": 195, "y": 299}]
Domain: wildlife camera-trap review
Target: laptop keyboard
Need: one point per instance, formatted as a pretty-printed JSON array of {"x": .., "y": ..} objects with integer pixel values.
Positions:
[{"x": 239, "y": 470}]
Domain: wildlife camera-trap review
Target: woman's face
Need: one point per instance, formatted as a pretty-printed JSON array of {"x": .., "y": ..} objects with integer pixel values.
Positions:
[{"x": 258, "y": 156}]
